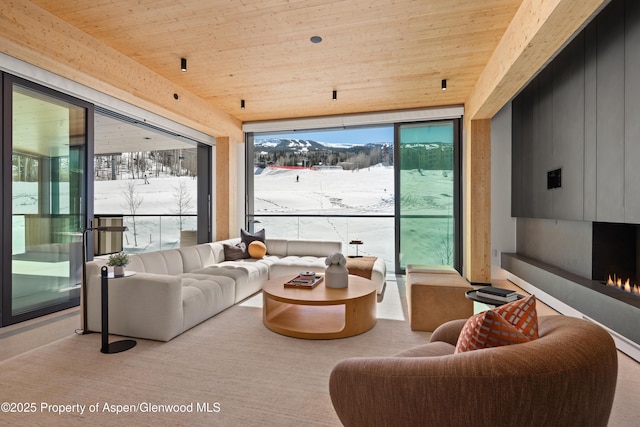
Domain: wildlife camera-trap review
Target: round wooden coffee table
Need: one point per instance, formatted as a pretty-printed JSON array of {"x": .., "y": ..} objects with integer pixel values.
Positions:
[{"x": 321, "y": 312}]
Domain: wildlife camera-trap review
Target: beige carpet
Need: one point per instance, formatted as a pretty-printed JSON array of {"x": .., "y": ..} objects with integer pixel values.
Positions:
[
  {"x": 257, "y": 377},
  {"x": 231, "y": 366}
]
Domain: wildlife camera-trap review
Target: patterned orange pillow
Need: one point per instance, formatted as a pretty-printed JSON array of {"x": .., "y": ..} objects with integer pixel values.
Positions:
[
  {"x": 522, "y": 314},
  {"x": 512, "y": 323}
]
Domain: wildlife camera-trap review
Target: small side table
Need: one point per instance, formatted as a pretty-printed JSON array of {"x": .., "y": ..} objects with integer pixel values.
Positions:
[
  {"x": 356, "y": 243},
  {"x": 117, "y": 346}
]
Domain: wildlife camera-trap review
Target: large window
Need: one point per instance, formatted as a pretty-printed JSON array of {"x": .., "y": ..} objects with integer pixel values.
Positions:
[
  {"x": 394, "y": 187},
  {"x": 334, "y": 184},
  {"x": 48, "y": 192},
  {"x": 45, "y": 135},
  {"x": 427, "y": 182},
  {"x": 150, "y": 180}
]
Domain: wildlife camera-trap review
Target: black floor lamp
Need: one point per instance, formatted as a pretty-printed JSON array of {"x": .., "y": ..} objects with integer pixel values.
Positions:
[{"x": 83, "y": 302}]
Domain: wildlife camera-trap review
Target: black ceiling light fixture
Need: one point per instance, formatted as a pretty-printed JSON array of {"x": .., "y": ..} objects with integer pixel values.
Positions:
[
  {"x": 444, "y": 84},
  {"x": 335, "y": 95},
  {"x": 316, "y": 39},
  {"x": 242, "y": 104},
  {"x": 183, "y": 64}
]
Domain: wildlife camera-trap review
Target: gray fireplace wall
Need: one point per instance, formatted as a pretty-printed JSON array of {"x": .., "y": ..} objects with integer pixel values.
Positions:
[
  {"x": 561, "y": 243},
  {"x": 580, "y": 116}
]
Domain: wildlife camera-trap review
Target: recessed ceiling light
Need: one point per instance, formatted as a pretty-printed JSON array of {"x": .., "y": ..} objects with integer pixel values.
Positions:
[{"x": 316, "y": 39}]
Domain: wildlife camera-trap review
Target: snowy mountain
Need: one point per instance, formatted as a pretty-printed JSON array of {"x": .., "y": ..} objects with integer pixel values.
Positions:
[
  {"x": 305, "y": 145},
  {"x": 303, "y": 153},
  {"x": 295, "y": 145}
]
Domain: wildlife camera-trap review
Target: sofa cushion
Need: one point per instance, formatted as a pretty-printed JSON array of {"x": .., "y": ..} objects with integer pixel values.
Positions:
[
  {"x": 135, "y": 264},
  {"x": 194, "y": 257},
  {"x": 257, "y": 249},
  {"x": 511, "y": 323},
  {"x": 248, "y": 276},
  {"x": 277, "y": 247},
  {"x": 154, "y": 262},
  {"x": 295, "y": 264},
  {"x": 204, "y": 296},
  {"x": 169, "y": 262},
  {"x": 247, "y": 238},
  {"x": 313, "y": 248},
  {"x": 173, "y": 261},
  {"x": 235, "y": 252}
]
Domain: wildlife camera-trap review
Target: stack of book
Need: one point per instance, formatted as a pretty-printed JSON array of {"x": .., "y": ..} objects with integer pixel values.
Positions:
[
  {"x": 301, "y": 281},
  {"x": 506, "y": 295}
]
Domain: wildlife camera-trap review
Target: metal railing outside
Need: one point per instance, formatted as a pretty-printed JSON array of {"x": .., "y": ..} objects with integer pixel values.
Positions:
[
  {"x": 148, "y": 233},
  {"x": 375, "y": 231},
  {"x": 425, "y": 239}
]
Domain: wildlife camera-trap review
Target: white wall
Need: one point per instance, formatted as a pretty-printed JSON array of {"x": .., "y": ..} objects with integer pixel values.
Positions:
[{"x": 503, "y": 226}]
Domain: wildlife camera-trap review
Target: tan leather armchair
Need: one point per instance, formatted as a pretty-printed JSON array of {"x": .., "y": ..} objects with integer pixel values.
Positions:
[{"x": 567, "y": 377}]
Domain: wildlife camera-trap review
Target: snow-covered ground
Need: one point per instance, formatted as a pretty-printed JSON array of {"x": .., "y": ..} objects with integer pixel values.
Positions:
[
  {"x": 365, "y": 192},
  {"x": 324, "y": 191},
  {"x": 159, "y": 197},
  {"x": 321, "y": 193}
]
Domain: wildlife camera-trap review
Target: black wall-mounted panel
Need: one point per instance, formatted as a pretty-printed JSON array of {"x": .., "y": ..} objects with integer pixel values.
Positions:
[{"x": 554, "y": 179}]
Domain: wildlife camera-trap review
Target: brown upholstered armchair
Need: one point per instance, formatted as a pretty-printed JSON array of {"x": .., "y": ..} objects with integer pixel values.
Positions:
[{"x": 567, "y": 377}]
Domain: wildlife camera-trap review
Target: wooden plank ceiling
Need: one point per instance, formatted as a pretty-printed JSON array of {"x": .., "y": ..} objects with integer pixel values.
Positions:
[{"x": 379, "y": 55}]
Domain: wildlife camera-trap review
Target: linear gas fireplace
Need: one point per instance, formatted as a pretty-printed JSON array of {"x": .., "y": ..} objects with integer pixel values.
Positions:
[
  {"x": 571, "y": 294},
  {"x": 615, "y": 256}
]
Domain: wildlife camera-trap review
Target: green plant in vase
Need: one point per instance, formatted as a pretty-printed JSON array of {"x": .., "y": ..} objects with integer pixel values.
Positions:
[{"x": 118, "y": 261}]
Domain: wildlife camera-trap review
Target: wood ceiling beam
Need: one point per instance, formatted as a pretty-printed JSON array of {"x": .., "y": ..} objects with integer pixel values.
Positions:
[
  {"x": 538, "y": 30},
  {"x": 31, "y": 34}
]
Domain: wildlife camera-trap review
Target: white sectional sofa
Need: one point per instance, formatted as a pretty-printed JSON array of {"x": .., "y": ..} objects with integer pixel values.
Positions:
[{"x": 174, "y": 290}]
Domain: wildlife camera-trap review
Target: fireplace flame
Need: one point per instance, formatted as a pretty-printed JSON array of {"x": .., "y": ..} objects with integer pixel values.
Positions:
[{"x": 626, "y": 286}]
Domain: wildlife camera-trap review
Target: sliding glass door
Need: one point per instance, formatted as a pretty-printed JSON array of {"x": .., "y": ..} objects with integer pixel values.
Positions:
[
  {"x": 427, "y": 194},
  {"x": 44, "y": 152}
]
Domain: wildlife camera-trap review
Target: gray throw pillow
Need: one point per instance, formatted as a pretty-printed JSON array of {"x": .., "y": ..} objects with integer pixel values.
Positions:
[
  {"x": 247, "y": 238},
  {"x": 235, "y": 252}
]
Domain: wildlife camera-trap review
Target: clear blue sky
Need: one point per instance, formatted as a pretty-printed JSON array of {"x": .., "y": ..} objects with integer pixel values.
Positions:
[{"x": 434, "y": 132}]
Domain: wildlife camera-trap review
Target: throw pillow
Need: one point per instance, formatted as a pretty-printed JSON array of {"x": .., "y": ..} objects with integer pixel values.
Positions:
[
  {"x": 235, "y": 252},
  {"x": 247, "y": 238},
  {"x": 513, "y": 323},
  {"x": 522, "y": 314},
  {"x": 257, "y": 249}
]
